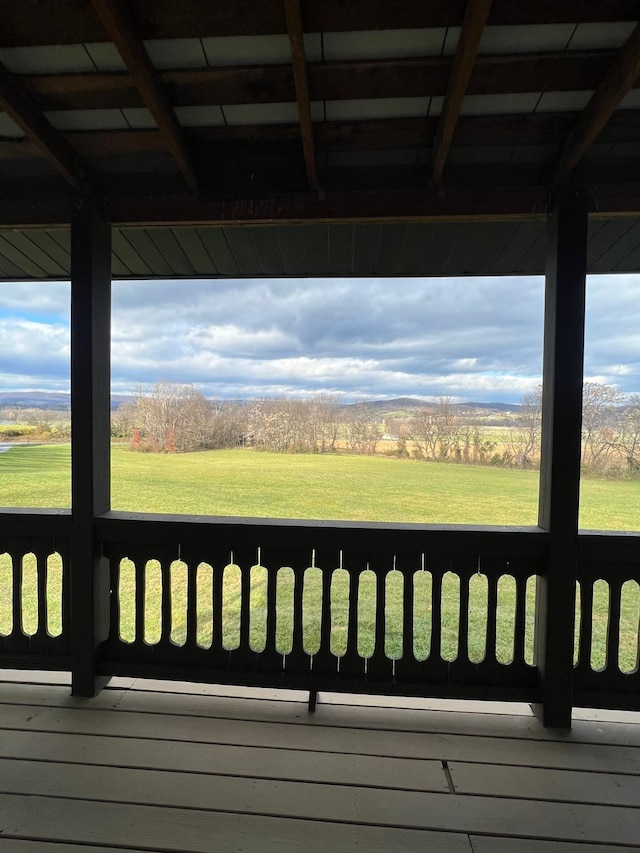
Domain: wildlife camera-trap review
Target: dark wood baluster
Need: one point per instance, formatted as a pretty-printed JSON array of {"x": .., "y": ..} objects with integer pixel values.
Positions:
[
  {"x": 166, "y": 619},
  {"x": 191, "y": 639},
  {"x": 325, "y": 663},
  {"x": 586, "y": 624},
  {"x": 407, "y": 668},
  {"x": 271, "y": 659},
  {"x": 491, "y": 656},
  {"x": 243, "y": 657},
  {"x": 273, "y": 559},
  {"x": 114, "y": 598},
  {"x": 298, "y": 661},
  {"x": 140, "y": 572},
  {"x": 380, "y": 667},
  {"x": 436, "y": 615},
  {"x": 613, "y": 626},
  {"x": 219, "y": 655},
  {"x": 17, "y": 642},
  {"x": 352, "y": 664},
  {"x": 63, "y": 550},
  {"x": 463, "y": 620},
  {"x": 41, "y": 633},
  {"x": 520, "y": 621},
  {"x": 16, "y": 566}
]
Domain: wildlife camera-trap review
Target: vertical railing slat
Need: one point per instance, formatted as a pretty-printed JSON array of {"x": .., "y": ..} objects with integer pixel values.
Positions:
[
  {"x": 140, "y": 592},
  {"x": 586, "y": 624},
  {"x": 351, "y": 664},
  {"x": 491, "y": 644},
  {"x": 166, "y": 619},
  {"x": 325, "y": 663},
  {"x": 613, "y": 626},
  {"x": 463, "y": 620},
  {"x": 192, "y": 605},
  {"x": 520, "y": 619}
]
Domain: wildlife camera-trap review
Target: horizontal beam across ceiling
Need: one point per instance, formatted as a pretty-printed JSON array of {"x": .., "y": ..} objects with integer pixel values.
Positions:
[
  {"x": 32, "y": 22},
  {"x": 330, "y": 81},
  {"x": 476, "y": 131},
  {"x": 428, "y": 205}
]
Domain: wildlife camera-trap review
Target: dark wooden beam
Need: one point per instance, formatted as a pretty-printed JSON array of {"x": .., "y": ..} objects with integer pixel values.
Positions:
[
  {"x": 619, "y": 79},
  {"x": 500, "y": 74},
  {"x": 32, "y": 22},
  {"x": 48, "y": 141},
  {"x": 90, "y": 442},
  {"x": 121, "y": 30},
  {"x": 477, "y": 131},
  {"x": 560, "y": 453},
  {"x": 473, "y": 24},
  {"x": 480, "y": 204},
  {"x": 299, "y": 63}
]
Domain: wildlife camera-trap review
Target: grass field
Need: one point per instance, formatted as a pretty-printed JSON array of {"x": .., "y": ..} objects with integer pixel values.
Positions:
[{"x": 246, "y": 483}]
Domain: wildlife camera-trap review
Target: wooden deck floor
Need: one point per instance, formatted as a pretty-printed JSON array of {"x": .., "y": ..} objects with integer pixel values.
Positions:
[{"x": 163, "y": 767}]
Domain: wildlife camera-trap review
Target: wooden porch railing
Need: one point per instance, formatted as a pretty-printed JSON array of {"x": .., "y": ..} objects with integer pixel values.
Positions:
[
  {"x": 35, "y": 617},
  {"x": 374, "y": 608}
]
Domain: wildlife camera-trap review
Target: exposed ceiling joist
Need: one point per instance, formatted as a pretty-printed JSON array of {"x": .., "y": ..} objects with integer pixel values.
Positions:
[
  {"x": 30, "y": 22},
  {"x": 475, "y": 19},
  {"x": 377, "y": 134},
  {"x": 556, "y": 71},
  {"x": 619, "y": 79},
  {"x": 121, "y": 30},
  {"x": 34, "y": 124},
  {"x": 298, "y": 60}
]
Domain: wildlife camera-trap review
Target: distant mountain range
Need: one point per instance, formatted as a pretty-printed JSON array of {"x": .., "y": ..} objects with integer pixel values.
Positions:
[
  {"x": 51, "y": 400},
  {"x": 56, "y": 401}
]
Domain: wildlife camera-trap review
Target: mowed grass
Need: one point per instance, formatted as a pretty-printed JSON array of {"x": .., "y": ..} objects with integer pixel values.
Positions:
[
  {"x": 247, "y": 483},
  {"x": 357, "y": 488}
]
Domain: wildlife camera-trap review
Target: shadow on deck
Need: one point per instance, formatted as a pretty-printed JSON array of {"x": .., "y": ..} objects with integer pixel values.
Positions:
[{"x": 158, "y": 766}]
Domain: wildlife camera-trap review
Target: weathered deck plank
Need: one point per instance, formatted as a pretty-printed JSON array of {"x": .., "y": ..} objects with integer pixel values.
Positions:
[
  {"x": 334, "y": 739},
  {"x": 533, "y": 783},
  {"x": 271, "y": 707},
  {"x": 195, "y": 831},
  {"x": 337, "y": 803},
  {"x": 175, "y": 770},
  {"x": 222, "y": 760}
]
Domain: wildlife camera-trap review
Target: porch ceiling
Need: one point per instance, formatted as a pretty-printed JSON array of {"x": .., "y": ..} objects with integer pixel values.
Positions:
[
  {"x": 324, "y": 250},
  {"x": 360, "y": 138}
]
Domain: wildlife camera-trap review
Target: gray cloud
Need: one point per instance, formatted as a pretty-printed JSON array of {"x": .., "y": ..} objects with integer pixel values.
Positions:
[{"x": 469, "y": 338}]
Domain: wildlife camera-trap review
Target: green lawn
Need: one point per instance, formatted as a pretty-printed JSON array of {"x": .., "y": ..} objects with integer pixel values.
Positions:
[
  {"x": 247, "y": 483},
  {"x": 243, "y": 482}
]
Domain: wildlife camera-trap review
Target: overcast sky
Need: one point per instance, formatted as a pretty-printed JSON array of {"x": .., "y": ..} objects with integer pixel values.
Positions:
[{"x": 471, "y": 339}]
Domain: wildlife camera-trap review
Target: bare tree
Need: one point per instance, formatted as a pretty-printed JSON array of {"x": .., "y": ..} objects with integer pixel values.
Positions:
[
  {"x": 169, "y": 417},
  {"x": 361, "y": 432},
  {"x": 522, "y": 447},
  {"x": 628, "y": 438},
  {"x": 601, "y": 411}
]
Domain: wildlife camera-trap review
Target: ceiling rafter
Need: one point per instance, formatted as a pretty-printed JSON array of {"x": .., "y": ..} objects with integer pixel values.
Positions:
[
  {"x": 121, "y": 30},
  {"x": 473, "y": 24},
  {"x": 299, "y": 63},
  {"x": 552, "y": 71},
  {"x": 201, "y": 18},
  {"x": 619, "y": 79},
  {"x": 477, "y": 131},
  {"x": 39, "y": 130}
]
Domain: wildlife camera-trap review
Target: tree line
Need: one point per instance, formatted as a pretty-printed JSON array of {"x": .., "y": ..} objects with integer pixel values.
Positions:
[{"x": 176, "y": 418}]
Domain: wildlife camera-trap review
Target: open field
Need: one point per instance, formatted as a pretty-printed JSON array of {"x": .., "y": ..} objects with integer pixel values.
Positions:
[{"x": 244, "y": 482}]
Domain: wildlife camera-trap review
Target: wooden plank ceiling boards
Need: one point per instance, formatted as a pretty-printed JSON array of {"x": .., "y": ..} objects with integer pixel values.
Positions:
[
  {"x": 313, "y": 115},
  {"x": 389, "y": 249}
]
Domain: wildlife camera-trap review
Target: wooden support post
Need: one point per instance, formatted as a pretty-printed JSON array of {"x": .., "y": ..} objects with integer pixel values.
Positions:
[
  {"x": 313, "y": 701},
  {"x": 561, "y": 449},
  {"x": 90, "y": 437}
]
